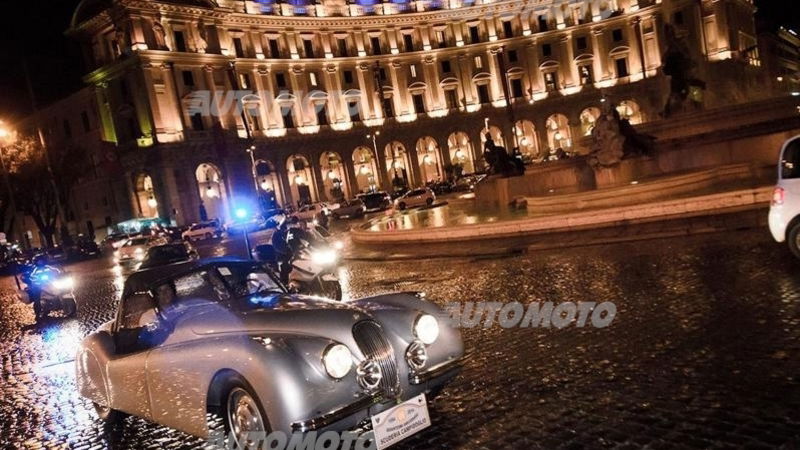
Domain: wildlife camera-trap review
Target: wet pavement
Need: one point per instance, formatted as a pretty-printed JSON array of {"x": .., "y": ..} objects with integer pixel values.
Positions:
[{"x": 704, "y": 351}]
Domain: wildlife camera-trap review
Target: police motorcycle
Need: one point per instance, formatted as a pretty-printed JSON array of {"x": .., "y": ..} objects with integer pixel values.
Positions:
[
  {"x": 304, "y": 259},
  {"x": 47, "y": 288}
]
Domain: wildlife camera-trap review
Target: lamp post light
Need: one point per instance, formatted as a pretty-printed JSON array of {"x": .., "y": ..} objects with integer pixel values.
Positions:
[{"x": 7, "y": 138}]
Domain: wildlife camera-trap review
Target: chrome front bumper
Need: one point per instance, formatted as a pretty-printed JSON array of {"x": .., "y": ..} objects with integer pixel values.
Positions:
[{"x": 364, "y": 403}]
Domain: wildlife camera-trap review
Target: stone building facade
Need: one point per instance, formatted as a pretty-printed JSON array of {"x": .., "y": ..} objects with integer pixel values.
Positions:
[
  {"x": 98, "y": 201},
  {"x": 339, "y": 96}
]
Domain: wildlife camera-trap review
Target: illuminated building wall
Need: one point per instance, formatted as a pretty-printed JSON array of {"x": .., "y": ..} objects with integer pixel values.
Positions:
[{"x": 426, "y": 73}]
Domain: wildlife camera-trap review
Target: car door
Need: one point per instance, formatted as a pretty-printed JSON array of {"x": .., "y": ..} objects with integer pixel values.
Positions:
[
  {"x": 126, "y": 369},
  {"x": 178, "y": 371},
  {"x": 789, "y": 175}
]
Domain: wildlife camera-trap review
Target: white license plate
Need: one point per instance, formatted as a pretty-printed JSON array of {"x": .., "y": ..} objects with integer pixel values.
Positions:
[{"x": 401, "y": 421}]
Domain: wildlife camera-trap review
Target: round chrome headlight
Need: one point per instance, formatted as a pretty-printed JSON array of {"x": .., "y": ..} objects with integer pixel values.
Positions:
[
  {"x": 416, "y": 355},
  {"x": 426, "y": 329},
  {"x": 337, "y": 360}
]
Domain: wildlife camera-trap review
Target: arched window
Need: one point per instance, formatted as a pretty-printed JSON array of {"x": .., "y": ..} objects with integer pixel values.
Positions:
[{"x": 558, "y": 133}]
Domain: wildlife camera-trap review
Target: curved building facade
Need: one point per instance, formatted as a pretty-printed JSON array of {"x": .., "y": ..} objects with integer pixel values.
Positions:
[{"x": 338, "y": 97}]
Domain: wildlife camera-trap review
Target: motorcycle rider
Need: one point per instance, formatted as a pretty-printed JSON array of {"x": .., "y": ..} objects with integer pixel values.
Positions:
[
  {"x": 29, "y": 274},
  {"x": 283, "y": 253}
]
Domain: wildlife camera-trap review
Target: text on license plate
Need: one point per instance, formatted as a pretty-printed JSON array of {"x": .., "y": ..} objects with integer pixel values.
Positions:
[{"x": 401, "y": 421}]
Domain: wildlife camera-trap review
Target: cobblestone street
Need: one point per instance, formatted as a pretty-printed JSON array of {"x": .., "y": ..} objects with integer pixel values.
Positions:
[{"x": 704, "y": 351}]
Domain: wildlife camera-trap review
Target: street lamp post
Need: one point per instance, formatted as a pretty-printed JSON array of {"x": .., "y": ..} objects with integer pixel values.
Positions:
[
  {"x": 374, "y": 137},
  {"x": 252, "y": 151},
  {"x": 6, "y": 136}
]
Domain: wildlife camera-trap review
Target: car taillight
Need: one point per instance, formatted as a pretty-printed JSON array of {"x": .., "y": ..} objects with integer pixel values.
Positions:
[{"x": 777, "y": 196}]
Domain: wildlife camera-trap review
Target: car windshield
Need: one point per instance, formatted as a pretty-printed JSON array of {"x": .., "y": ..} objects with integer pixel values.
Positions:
[
  {"x": 137, "y": 241},
  {"x": 167, "y": 253},
  {"x": 249, "y": 282}
]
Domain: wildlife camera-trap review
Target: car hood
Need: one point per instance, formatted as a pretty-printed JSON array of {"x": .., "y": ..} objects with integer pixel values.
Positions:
[
  {"x": 286, "y": 314},
  {"x": 130, "y": 249}
]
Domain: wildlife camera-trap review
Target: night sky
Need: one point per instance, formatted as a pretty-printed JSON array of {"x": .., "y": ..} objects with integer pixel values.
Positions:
[{"x": 33, "y": 31}]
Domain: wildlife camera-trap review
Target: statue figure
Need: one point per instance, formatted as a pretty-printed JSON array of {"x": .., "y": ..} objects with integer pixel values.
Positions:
[
  {"x": 121, "y": 36},
  {"x": 202, "y": 37},
  {"x": 607, "y": 141},
  {"x": 615, "y": 139},
  {"x": 160, "y": 35},
  {"x": 685, "y": 90},
  {"x": 500, "y": 163}
]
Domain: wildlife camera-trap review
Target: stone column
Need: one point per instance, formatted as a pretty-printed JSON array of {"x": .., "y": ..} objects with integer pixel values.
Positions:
[
  {"x": 283, "y": 179},
  {"x": 352, "y": 181},
  {"x": 316, "y": 172},
  {"x": 413, "y": 161},
  {"x": 600, "y": 55},
  {"x": 570, "y": 70},
  {"x": 534, "y": 74},
  {"x": 431, "y": 73},
  {"x": 366, "y": 84}
]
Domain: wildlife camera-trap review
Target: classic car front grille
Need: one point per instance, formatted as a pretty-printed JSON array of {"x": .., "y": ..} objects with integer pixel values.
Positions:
[{"x": 370, "y": 339}]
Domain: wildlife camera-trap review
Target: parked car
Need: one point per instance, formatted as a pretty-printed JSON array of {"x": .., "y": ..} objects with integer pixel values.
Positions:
[
  {"x": 162, "y": 255},
  {"x": 84, "y": 248},
  {"x": 467, "y": 183},
  {"x": 441, "y": 187},
  {"x": 134, "y": 250},
  {"x": 375, "y": 201},
  {"x": 56, "y": 255},
  {"x": 349, "y": 209},
  {"x": 309, "y": 212},
  {"x": 784, "y": 211},
  {"x": 415, "y": 197},
  {"x": 202, "y": 230},
  {"x": 114, "y": 241},
  {"x": 223, "y": 337}
]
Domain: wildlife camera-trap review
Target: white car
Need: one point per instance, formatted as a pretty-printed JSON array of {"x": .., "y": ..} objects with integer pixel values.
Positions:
[
  {"x": 134, "y": 250},
  {"x": 784, "y": 211},
  {"x": 307, "y": 213},
  {"x": 202, "y": 230},
  {"x": 415, "y": 197}
]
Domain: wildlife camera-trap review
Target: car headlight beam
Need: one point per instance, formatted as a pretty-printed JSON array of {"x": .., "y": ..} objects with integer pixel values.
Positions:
[
  {"x": 323, "y": 257},
  {"x": 426, "y": 329},
  {"x": 337, "y": 360}
]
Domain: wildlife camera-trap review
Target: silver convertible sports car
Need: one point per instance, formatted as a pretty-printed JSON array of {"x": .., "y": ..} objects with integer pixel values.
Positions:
[{"x": 222, "y": 338}]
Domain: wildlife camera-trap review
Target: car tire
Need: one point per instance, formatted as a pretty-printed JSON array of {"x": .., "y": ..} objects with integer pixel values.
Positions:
[
  {"x": 793, "y": 239},
  {"x": 240, "y": 405},
  {"x": 429, "y": 201},
  {"x": 402, "y": 206},
  {"x": 38, "y": 311},
  {"x": 108, "y": 415}
]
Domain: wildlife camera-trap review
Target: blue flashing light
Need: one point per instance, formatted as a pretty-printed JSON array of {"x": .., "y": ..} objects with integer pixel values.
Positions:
[{"x": 241, "y": 213}]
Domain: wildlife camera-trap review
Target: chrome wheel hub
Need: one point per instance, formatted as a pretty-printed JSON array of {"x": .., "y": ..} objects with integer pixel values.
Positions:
[{"x": 244, "y": 417}]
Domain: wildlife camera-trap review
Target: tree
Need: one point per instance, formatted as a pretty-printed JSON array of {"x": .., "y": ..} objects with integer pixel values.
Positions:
[{"x": 38, "y": 189}]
